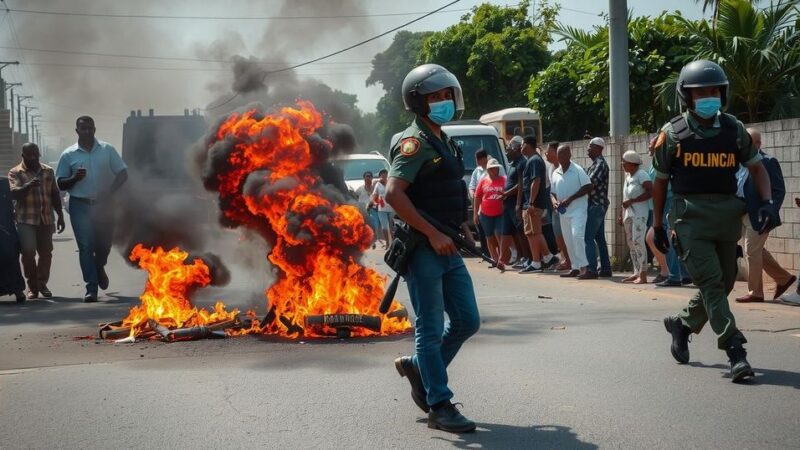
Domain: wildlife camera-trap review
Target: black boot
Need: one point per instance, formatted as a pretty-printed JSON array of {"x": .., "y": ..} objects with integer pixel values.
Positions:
[
  {"x": 405, "y": 367},
  {"x": 680, "y": 338},
  {"x": 449, "y": 418},
  {"x": 740, "y": 368}
]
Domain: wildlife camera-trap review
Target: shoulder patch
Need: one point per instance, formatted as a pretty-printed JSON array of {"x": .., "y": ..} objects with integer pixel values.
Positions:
[{"x": 409, "y": 146}]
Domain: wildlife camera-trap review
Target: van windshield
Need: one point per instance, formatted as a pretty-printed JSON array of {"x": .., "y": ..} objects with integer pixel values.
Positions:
[
  {"x": 471, "y": 144},
  {"x": 354, "y": 169}
]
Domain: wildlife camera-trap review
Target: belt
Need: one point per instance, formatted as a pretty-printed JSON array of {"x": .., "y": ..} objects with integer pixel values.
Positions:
[
  {"x": 709, "y": 197},
  {"x": 88, "y": 201}
]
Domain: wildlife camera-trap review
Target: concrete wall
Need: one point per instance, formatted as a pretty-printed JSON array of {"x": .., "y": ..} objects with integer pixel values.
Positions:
[{"x": 779, "y": 138}]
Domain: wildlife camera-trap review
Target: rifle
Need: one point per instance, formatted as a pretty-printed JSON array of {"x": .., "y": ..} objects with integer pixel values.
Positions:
[{"x": 405, "y": 243}]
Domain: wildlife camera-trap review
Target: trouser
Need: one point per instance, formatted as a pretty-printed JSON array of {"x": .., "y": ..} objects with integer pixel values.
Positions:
[
  {"x": 636, "y": 233},
  {"x": 707, "y": 228},
  {"x": 439, "y": 284},
  {"x": 573, "y": 227},
  {"x": 93, "y": 226},
  {"x": 482, "y": 238},
  {"x": 758, "y": 259},
  {"x": 35, "y": 239},
  {"x": 595, "y": 239},
  {"x": 373, "y": 222}
]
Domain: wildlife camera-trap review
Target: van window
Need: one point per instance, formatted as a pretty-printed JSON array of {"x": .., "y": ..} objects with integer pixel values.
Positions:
[{"x": 470, "y": 144}]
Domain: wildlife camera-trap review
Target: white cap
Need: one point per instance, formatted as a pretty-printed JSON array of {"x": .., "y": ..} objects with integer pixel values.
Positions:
[
  {"x": 515, "y": 142},
  {"x": 493, "y": 164},
  {"x": 598, "y": 142},
  {"x": 632, "y": 157}
]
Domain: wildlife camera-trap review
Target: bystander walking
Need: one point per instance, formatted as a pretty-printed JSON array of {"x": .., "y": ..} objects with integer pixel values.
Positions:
[
  {"x": 91, "y": 171},
  {"x": 36, "y": 198}
]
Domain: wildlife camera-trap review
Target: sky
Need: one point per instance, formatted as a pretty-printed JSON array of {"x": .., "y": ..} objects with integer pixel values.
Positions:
[{"x": 164, "y": 74}]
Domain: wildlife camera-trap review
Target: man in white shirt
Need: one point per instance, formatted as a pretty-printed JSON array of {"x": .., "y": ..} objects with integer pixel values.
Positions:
[
  {"x": 569, "y": 188},
  {"x": 364, "y": 195}
]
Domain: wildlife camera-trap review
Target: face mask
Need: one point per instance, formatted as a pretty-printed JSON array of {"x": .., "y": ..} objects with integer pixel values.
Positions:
[
  {"x": 442, "y": 112},
  {"x": 707, "y": 107}
]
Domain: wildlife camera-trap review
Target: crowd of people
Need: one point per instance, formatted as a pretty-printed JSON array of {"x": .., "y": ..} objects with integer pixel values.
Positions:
[{"x": 548, "y": 213}]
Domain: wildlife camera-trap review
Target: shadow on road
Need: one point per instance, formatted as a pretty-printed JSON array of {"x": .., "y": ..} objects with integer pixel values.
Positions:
[
  {"x": 492, "y": 435},
  {"x": 57, "y": 310},
  {"x": 771, "y": 377}
]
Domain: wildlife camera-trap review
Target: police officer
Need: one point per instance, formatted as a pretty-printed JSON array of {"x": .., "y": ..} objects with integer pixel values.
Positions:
[
  {"x": 699, "y": 152},
  {"x": 426, "y": 174}
]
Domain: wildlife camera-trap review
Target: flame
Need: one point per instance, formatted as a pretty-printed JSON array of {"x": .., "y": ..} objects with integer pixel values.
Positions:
[
  {"x": 166, "y": 293},
  {"x": 317, "y": 243}
]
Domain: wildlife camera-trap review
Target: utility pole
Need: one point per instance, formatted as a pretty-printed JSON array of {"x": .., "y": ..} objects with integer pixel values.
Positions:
[
  {"x": 27, "y": 127},
  {"x": 20, "y": 98},
  {"x": 11, "y": 102},
  {"x": 619, "y": 87},
  {"x": 33, "y": 127},
  {"x": 3, "y": 65}
]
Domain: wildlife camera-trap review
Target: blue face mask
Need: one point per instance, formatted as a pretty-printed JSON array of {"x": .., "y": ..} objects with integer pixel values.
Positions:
[
  {"x": 707, "y": 107},
  {"x": 442, "y": 112}
]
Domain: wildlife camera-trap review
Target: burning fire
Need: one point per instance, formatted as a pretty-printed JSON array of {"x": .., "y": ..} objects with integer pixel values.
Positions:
[
  {"x": 166, "y": 294},
  {"x": 265, "y": 169}
]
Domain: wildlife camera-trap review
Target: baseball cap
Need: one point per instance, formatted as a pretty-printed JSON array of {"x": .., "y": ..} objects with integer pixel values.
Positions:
[{"x": 598, "y": 142}]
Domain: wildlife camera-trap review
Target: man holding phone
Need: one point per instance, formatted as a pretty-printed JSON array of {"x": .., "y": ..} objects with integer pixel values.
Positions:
[{"x": 91, "y": 171}]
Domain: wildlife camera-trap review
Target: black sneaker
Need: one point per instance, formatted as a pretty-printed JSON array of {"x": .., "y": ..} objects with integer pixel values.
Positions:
[
  {"x": 521, "y": 264},
  {"x": 605, "y": 274},
  {"x": 680, "y": 338},
  {"x": 102, "y": 278},
  {"x": 550, "y": 262},
  {"x": 669, "y": 283},
  {"x": 448, "y": 418},
  {"x": 90, "y": 297},
  {"x": 687, "y": 281},
  {"x": 737, "y": 355},
  {"x": 531, "y": 269},
  {"x": 405, "y": 367}
]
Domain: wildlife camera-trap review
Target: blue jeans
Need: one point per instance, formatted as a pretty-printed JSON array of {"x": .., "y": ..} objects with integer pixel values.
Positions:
[
  {"x": 372, "y": 221},
  {"x": 93, "y": 226},
  {"x": 595, "y": 239},
  {"x": 439, "y": 284}
]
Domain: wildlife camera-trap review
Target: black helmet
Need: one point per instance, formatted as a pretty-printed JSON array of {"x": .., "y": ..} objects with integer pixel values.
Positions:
[
  {"x": 701, "y": 73},
  {"x": 425, "y": 79}
]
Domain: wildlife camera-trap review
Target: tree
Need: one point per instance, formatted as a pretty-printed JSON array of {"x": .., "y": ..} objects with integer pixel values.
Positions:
[
  {"x": 759, "y": 51},
  {"x": 493, "y": 50},
  {"x": 572, "y": 93},
  {"x": 388, "y": 69}
]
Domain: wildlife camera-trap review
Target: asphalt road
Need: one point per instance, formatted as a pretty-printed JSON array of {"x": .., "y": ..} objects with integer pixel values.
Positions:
[{"x": 556, "y": 364}]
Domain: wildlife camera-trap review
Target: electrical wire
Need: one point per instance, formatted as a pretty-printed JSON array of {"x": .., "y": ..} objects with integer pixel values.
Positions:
[
  {"x": 149, "y": 16},
  {"x": 286, "y": 69}
]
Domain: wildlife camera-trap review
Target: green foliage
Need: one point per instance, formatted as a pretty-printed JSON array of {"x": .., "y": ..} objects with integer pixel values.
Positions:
[
  {"x": 388, "y": 69},
  {"x": 492, "y": 51},
  {"x": 654, "y": 51},
  {"x": 759, "y": 49}
]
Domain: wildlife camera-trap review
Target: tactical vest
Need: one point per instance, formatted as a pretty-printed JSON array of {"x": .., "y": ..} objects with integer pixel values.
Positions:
[
  {"x": 442, "y": 192},
  {"x": 705, "y": 165}
]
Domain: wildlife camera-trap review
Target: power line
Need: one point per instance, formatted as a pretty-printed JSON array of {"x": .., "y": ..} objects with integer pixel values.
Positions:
[
  {"x": 148, "y": 16},
  {"x": 286, "y": 69},
  {"x": 161, "y": 58}
]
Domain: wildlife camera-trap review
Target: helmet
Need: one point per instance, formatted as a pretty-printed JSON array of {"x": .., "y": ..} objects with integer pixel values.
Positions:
[
  {"x": 425, "y": 79},
  {"x": 701, "y": 73}
]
